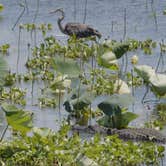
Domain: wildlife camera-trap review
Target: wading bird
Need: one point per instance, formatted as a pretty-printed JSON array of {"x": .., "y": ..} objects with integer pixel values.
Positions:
[{"x": 77, "y": 29}]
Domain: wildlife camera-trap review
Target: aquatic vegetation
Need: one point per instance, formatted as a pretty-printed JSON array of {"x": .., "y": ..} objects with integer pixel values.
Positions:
[
  {"x": 4, "y": 48},
  {"x": 50, "y": 148},
  {"x": 13, "y": 95},
  {"x": 18, "y": 119},
  {"x": 156, "y": 81},
  {"x": 115, "y": 117}
]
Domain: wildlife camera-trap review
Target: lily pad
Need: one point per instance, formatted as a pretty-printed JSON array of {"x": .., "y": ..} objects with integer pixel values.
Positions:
[
  {"x": 145, "y": 72},
  {"x": 108, "y": 60},
  {"x": 66, "y": 66},
  {"x": 158, "y": 83},
  {"x": 18, "y": 119},
  {"x": 121, "y": 87},
  {"x": 109, "y": 109},
  {"x": 120, "y": 49}
]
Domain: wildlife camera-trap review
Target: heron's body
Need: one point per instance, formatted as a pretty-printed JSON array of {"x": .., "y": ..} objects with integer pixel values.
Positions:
[
  {"x": 77, "y": 29},
  {"x": 80, "y": 30}
]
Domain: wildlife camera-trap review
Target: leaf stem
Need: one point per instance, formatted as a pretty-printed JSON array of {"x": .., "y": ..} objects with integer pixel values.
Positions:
[{"x": 4, "y": 132}]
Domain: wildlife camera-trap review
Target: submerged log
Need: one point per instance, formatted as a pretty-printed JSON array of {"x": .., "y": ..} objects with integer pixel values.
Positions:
[{"x": 136, "y": 134}]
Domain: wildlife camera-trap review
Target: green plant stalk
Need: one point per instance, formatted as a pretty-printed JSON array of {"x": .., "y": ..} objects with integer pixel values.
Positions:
[
  {"x": 32, "y": 90},
  {"x": 132, "y": 87},
  {"x": 35, "y": 37},
  {"x": 18, "y": 55},
  {"x": 36, "y": 13},
  {"x": 59, "y": 100},
  {"x": 4, "y": 132}
]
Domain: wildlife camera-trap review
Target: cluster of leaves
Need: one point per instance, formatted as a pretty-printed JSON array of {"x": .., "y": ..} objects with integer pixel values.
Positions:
[
  {"x": 31, "y": 27},
  {"x": 146, "y": 45},
  {"x": 13, "y": 95},
  {"x": 45, "y": 147},
  {"x": 160, "y": 121},
  {"x": 103, "y": 83},
  {"x": 47, "y": 102},
  {"x": 115, "y": 117},
  {"x": 133, "y": 80},
  {"x": 4, "y": 48}
]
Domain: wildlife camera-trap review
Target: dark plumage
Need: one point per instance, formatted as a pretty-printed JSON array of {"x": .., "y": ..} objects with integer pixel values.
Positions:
[{"x": 77, "y": 29}]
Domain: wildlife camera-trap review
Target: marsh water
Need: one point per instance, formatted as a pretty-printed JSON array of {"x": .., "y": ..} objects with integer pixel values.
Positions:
[{"x": 144, "y": 19}]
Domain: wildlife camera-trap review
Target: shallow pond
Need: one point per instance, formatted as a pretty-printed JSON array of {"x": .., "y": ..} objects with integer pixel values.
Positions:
[{"x": 144, "y": 19}]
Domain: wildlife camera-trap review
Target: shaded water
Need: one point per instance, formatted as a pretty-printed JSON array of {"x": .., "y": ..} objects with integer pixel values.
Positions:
[{"x": 105, "y": 15}]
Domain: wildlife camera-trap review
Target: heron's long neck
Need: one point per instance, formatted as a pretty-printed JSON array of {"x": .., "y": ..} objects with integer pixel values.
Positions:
[{"x": 60, "y": 25}]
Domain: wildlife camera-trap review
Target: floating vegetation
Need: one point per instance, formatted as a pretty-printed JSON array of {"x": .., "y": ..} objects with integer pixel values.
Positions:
[
  {"x": 47, "y": 147},
  {"x": 4, "y": 48}
]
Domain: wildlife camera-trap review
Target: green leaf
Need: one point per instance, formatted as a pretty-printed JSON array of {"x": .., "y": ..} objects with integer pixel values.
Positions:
[
  {"x": 18, "y": 119},
  {"x": 120, "y": 49},
  {"x": 145, "y": 72},
  {"x": 127, "y": 117},
  {"x": 1, "y": 7},
  {"x": 109, "y": 109},
  {"x": 85, "y": 161},
  {"x": 3, "y": 70},
  {"x": 156, "y": 81},
  {"x": 121, "y": 87},
  {"x": 158, "y": 84},
  {"x": 43, "y": 132},
  {"x": 108, "y": 60},
  {"x": 105, "y": 121},
  {"x": 164, "y": 12},
  {"x": 75, "y": 103},
  {"x": 66, "y": 66},
  {"x": 123, "y": 100}
]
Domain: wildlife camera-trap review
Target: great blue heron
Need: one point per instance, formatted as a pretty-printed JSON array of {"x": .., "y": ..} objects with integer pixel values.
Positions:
[{"x": 77, "y": 29}]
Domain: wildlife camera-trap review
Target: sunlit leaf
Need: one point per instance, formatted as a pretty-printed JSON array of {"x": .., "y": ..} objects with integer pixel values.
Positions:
[
  {"x": 127, "y": 117},
  {"x": 145, "y": 72},
  {"x": 18, "y": 119},
  {"x": 121, "y": 87},
  {"x": 43, "y": 132},
  {"x": 108, "y": 60},
  {"x": 85, "y": 161},
  {"x": 66, "y": 66},
  {"x": 158, "y": 82},
  {"x": 1, "y": 7}
]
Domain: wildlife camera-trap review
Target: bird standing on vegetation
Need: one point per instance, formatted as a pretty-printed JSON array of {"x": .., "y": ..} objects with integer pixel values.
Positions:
[{"x": 77, "y": 29}]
